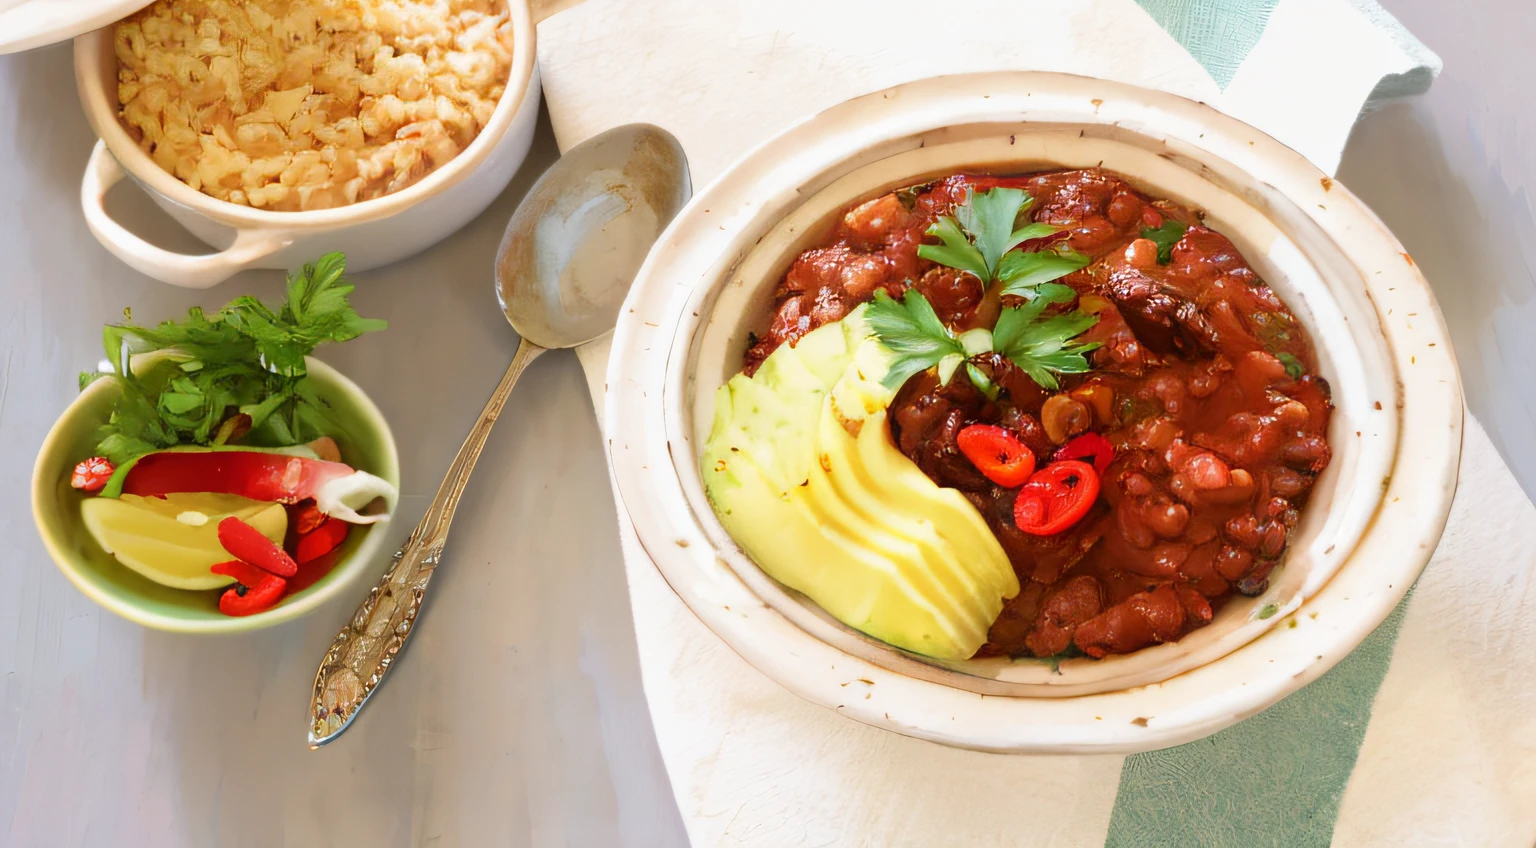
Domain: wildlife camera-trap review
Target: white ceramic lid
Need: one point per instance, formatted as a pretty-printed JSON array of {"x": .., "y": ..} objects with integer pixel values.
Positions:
[{"x": 25, "y": 24}]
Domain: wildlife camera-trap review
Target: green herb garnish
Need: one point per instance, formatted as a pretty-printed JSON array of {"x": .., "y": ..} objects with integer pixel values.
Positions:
[
  {"x": 913, "y": 333},
  {"x": 1293, "y": 366},
  {"x": 980, "y": 239},
  {"x": 1165, "y": 237},
  {"x": 1042, "y": 347},
  {"x": 184, "y": 382}
]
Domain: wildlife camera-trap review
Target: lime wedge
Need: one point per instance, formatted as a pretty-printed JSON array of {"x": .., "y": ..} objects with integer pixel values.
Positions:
[{"x": 164, "y": 540}]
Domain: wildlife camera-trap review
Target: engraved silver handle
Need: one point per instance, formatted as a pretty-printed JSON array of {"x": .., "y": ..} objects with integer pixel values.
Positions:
[{"x": 366, "y": 649}]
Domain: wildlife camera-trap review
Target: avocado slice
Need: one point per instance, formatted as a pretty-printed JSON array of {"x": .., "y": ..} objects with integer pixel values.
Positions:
[{"x": 801, "y": 470}]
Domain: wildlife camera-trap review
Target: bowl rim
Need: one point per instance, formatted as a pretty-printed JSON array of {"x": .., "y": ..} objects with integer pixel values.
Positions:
[
  {"x": 1015, "y": 723},
  {"x": 342, "y": 575},
  {"x": 92, "y": 49}
]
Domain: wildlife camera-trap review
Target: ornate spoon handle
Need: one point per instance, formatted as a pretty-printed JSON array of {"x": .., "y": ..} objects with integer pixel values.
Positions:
[{"x": 367, "y": 647}]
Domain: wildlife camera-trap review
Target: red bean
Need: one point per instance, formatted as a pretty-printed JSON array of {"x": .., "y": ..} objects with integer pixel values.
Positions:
[
  {"x": 1232, "y": 563},
  {"x": 1165, "y": 518},
  {"x": 1272, "y": 540}
]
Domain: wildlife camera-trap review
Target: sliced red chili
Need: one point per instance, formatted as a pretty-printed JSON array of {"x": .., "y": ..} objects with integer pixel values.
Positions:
[
  {"x": 92, "y": 474},
  {"x": 258, "y": 476},
  {"x": 1089, "y": 447},
  {"x": 255, "y": 590},
  {"x": 997, "y": 453},
  {"x": 247, "y": 544},
  {"x": 1056, "y": 497},
  {"x": 320, "y": 541}
]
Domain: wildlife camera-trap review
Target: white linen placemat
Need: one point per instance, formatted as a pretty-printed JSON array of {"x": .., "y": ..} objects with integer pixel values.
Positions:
[{"x": 1448, "y": 753}]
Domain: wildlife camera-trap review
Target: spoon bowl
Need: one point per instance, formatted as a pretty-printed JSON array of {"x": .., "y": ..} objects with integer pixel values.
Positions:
[
  {"x": 564, "y": 267},
  {"x": 579, "y": 236}
]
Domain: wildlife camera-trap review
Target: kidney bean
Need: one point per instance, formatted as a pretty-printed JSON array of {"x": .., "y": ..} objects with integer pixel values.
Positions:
[
  {"x": 1136, "y": 484},
  {"x": 1232, "y": 563},
  {"x": 1133, "y": 525},
  {"x": 1272, "y": 538},
  {"x": 1164, "y": 517},
  {"x": 1256, "y": 581},
  {"x": 1244, "y": 532},
  {"x": 1197, "y": 608},
  {"x": 1308, "y": 453},
  {"x": 1293, "y": 414},
  {"x": 1167, "y": 557},
  {"x": 953, "y": 294},
  {"x": 863, "y": 274},
  {"x": 1201, "y": 529},
  {"x": 1143, "y": 619},
  {"x": 874, "y": 221},
  {"x": 1288, "y": 483},
  {"x": 1077, "y": 601}
]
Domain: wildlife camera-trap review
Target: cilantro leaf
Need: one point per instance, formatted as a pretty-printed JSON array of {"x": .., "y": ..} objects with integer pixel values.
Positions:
[
  {"x": 981, "y": 232},
  {"x": 183, "y": 379},
  {"x": 1043, "y": 347},
  {"x": 957, "y": 251},
  {"x": 316, "y": 311},
  {"x": 1165, "y": 237},
  {"x": 1024, "y": 273},
  {"x": 913, "y": 333}
]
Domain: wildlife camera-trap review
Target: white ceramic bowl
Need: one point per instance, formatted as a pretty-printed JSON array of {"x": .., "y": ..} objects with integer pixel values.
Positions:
[
  {"x": 371, "y": 233},
  {"x": 1368, "y": 530}
]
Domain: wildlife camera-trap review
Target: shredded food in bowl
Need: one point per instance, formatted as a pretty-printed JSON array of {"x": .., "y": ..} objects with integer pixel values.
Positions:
[{"x": 296, "y": 105}]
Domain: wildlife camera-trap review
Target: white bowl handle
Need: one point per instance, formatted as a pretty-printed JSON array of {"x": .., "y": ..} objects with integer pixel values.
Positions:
[{"x": 178, "y": 269}]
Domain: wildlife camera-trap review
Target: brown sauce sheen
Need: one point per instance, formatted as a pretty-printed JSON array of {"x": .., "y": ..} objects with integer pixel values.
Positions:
[{"x": 1216, "y": 446}]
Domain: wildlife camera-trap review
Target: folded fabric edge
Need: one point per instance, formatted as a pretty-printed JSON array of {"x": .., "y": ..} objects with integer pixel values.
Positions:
[{"x": 1414, "y": 81}]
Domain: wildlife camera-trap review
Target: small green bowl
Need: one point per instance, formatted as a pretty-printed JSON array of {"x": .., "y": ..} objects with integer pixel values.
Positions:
[{"x": 367, "y": 445}]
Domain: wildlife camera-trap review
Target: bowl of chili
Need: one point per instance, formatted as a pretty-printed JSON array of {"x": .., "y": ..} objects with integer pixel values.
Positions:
[{"x": 1367, "y": 365}]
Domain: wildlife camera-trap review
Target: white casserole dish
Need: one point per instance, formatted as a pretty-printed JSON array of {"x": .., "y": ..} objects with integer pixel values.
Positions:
[
  {"x": 1368, "y": 530},
  {"x": 372, "y": 233}
]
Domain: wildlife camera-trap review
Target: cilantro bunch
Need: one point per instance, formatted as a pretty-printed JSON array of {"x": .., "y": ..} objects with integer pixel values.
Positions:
[
  {"x": 236, "y": 375},
  {"x": 982, "y": 239}
]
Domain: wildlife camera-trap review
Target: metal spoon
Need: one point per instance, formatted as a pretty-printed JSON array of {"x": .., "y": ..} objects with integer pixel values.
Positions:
[{"x": 568, "y": 257}]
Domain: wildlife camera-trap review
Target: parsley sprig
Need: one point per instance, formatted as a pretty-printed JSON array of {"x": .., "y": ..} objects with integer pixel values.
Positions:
[
  {"x": 980, "y": 239},
  {"x": 1041, "y": 346},
  {"x": 185, "y": 382}
]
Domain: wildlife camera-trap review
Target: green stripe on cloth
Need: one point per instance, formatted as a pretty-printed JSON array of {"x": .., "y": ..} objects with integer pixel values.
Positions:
[
  {"x": 1273, "y": 779},
  {"x": 1218, "y": 33}
]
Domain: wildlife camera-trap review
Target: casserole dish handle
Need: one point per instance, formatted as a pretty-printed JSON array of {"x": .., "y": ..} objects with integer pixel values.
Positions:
[{"x": 193, "y": 272}]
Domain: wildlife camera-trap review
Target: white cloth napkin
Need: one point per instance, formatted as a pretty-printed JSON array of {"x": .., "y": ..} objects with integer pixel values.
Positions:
[{"x": 1450, "y": 749}]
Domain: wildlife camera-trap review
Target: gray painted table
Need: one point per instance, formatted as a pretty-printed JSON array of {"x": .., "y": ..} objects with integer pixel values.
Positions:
[{"x": 517, "y": 717}]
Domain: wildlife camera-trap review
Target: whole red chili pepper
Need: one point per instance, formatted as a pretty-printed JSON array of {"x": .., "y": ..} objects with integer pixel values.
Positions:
[
  {"x": 92, "y": 474},
  {"x": 320, "y": 541},
  {"x": 247, "y": 543},
  {"x": 1089, "y": 446},
  {"x": 254, "y": 591}
]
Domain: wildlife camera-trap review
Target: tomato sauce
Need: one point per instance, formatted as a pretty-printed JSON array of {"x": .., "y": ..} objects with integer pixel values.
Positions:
[{"x": 1205, "y": 385}]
